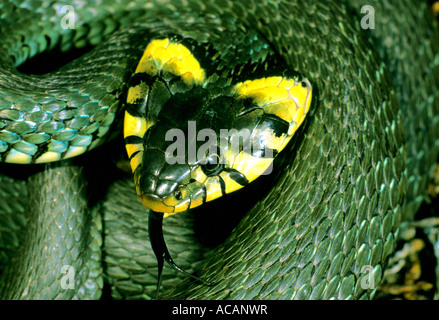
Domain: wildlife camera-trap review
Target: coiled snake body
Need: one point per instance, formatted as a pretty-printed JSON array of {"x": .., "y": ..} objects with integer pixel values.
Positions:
[{"x": 355, "y": 172}]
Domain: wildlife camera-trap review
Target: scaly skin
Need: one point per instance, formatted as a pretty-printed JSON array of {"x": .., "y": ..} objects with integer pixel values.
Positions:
[{"x": 356, "y": 170}]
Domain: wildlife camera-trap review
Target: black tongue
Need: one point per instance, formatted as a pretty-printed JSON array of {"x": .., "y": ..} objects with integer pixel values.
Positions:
[
  {"x": 158, "y": 244},
  {"x": 155, "y": 222}
]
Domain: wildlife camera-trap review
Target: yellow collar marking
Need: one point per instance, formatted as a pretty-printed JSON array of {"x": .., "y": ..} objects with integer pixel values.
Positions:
[{"x": 168, "y": 56}]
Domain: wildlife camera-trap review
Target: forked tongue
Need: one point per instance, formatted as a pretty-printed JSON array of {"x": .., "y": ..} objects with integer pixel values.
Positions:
[{"x": 155, "y": 230}]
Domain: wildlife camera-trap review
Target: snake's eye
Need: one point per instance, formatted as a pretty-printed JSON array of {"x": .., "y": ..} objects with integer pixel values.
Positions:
[
  {"x": 212, "y": 166},
  {"x": 178, "y": 195}
]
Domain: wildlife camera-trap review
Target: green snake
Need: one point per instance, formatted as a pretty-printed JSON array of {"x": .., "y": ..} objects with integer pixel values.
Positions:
[{"x": 353, "y": 174}]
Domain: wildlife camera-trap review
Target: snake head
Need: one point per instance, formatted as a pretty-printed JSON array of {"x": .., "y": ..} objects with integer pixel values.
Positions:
[
  {"x": 192, "y": 137},
  {"x": 203, "y": 144}
]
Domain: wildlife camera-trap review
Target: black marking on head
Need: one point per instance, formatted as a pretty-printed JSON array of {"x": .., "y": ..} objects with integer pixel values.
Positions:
[
  {"x": 202, "y": 52},
  {"x": 153, "y": 161},
  {"x": 147, "y": 183},
  {"x": 134, "y": 154},
  {"x": 140, "y": 77},
  {"x": 237, "y": 176},
  {"x": 182, "y": 107},
  {"x": 175, "y": 172},
  {"x": 159, "y": 94},
  {"x": 274, "y": 65},
  {"x": 223, "y": 185},
  {"x": 277, "y": 124},
  {"x": 136, "y": 110},
  {"x": 139, "y": 107},
  {"x": 245, "y": 105},
  {"x": 133, "y": 140}
]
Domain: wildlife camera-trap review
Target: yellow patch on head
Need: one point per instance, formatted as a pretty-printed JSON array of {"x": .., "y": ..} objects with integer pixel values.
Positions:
[
  {"x": 301, "y": 96},
  {"x": 183, "y": 206},
  {"x": 251, "y": 167},
  {"x": 283, "y": 109},
  {"x": 134, "y": 126},
  {"x": 213, "y": 188},
  {"x": 136, "y": 160},
  {"x": 267, "y": 95},
  {"x": 273, "y": 81},
  {"x": 168, "y": 56},
  {"x": 198, "y": 175},
  {"x": 286, "y": 98},
  {"x": 131, "y": 148},
  {"x": 155, "y": 204},
  {"x": 137, "y": 92},
  {"x": 196, "y": 201}
]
